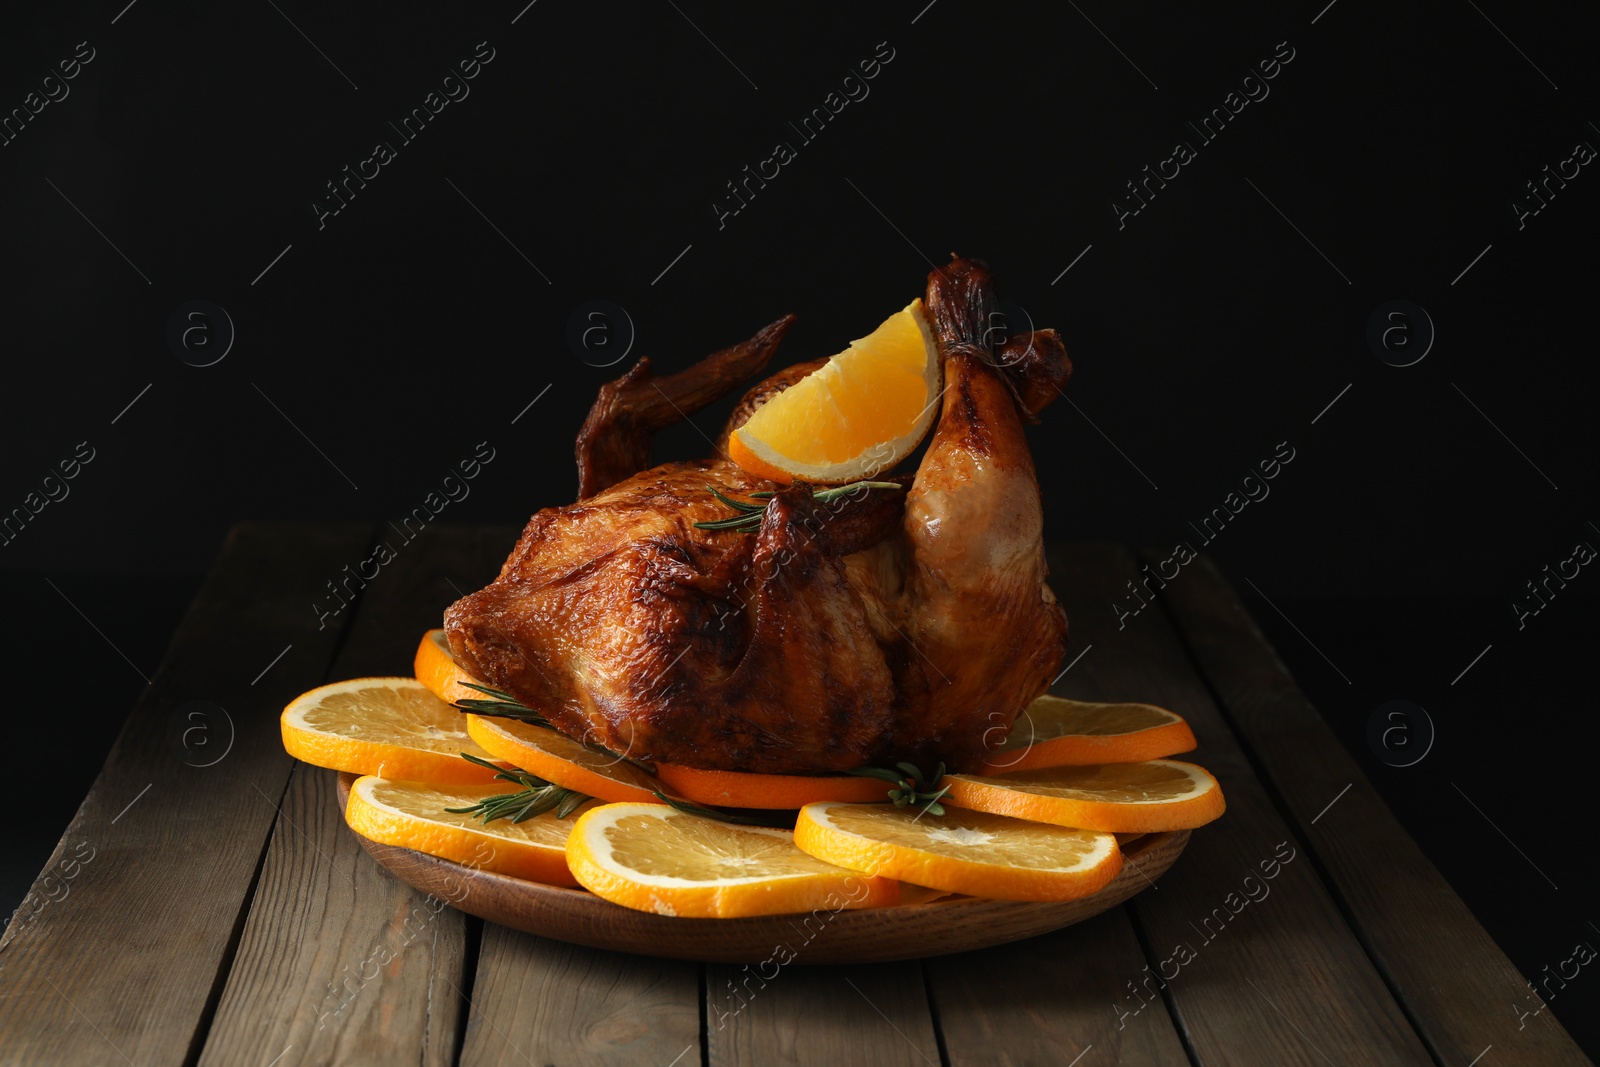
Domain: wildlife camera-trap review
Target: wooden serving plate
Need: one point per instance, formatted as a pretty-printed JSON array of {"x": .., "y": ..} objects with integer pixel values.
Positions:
[{"x": 938, "y": 927}]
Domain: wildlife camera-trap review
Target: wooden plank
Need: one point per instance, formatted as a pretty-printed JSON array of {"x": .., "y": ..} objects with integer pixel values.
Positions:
[
  {"x": 1461, "y": 991},
  {"x": 123, "y": 959},
  {"x": 1257, "y": 970},
  {"x": 339, "y": 962},
  {"x": 1051, "y": 999},
  {"x": 545, "y": 1002},
  {"x": 871, "y": 1015},
  {"x": 570, "y": 1005}
]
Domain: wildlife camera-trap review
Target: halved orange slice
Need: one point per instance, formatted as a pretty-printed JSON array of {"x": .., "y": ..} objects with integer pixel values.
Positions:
[
  {"x": 391, "y": 727},
  {"x": 412, "y": 815},
  {"x": 1054, "y": 732},
  {"x": 1121, "y": 798},
  {"x": 555, "y": 757},
  {"x": 861, "y": 413},
  {"x": 961, "y": 851},
  {"x": 737, "y": 789},
  {"x": 650, "y": 857}
]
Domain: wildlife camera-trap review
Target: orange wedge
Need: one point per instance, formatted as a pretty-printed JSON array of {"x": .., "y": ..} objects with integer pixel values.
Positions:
[
  {"x": 412, "y": 815},
  {"x": 1121, "y": 798},
  {"x": 391, "y": 727},
  {"x": 650, "y": 857},
  {"x": 1052, "y": 732},
  {"x": 736, "y": 789},
  {"x": 861, "y": 413},
  {"x": 555, "y": 757},
  {"x": 961, "y": 851},
  {"x": 437, "y": 669}
]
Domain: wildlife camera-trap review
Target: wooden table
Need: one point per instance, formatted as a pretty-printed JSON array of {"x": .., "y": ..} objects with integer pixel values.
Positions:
[{"x": 207, "y": 905}]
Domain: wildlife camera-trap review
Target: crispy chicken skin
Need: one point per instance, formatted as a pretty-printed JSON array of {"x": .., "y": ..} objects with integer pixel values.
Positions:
[{"x": 881, "y": 626}]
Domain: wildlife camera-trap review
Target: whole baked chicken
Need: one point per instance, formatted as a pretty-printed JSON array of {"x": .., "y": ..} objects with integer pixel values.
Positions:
[{"x": 880, "y": 626}]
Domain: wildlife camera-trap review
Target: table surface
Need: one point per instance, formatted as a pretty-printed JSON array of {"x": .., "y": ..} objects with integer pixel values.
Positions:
[{"x": 207, "y": 905}]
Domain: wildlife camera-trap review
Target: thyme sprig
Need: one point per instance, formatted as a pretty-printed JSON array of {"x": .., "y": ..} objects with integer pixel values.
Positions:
[
  {"x": 910, "y": 785},
  {"x": 536, "y": 796},
  {"x": 501, "y": 704},
  {"x": 747, "y": 516}
]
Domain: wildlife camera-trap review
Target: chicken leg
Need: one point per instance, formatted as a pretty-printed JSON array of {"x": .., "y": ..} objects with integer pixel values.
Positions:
[{"x": 986, "y": 627}]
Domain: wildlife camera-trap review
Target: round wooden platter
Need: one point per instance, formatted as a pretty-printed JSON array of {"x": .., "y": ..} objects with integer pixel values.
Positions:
[{"x": 938, "y": 926}]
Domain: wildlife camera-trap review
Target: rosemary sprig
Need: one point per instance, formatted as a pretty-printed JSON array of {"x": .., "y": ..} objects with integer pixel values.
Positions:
[
  {"x": 747, "y": 516},
  {"x": 910, "y": 787},
  {"x": 739, "y": 505},
  {"x": 501, "y": 704},
  {"x": 775, "y": 819},
  {"x": 534, "y": 798}
]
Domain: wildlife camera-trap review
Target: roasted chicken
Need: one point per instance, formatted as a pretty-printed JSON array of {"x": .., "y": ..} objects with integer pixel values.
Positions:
[{"x": 881, "y": 626}]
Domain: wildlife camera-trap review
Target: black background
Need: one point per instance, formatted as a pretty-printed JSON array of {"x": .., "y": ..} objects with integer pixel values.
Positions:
[{"x": 1218, "y": 322}]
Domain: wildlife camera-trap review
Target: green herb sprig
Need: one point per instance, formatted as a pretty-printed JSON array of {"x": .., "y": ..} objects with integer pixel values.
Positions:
[
  {"x": 910, "y": 785},
  {"x": 500, "y": 704},
  {"x": 747, "y": 516},
  {"x": 777, "y": 820},
  {"x": 536, "y": 796}
]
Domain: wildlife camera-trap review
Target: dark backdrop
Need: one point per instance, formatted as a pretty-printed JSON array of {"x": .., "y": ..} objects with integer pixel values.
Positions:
[{"x": 585, "y": 160}]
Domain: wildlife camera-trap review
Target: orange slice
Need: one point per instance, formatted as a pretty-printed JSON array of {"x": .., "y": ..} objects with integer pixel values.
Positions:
[
  {"x": 437, "y": 669},
  {"x": 970, "y": 852},
  {"x": 555, "y": 757},
  {"x": 736, "y": 789},
  {"x": 1053, "y": 732},
  {"x": 391, "y": 727},
  {"x": 862, "y": 412},
  {"x": 1121, "y": 798},
  {"x": 412, "y": 815},
  {"x": 650, "y": 857}
]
